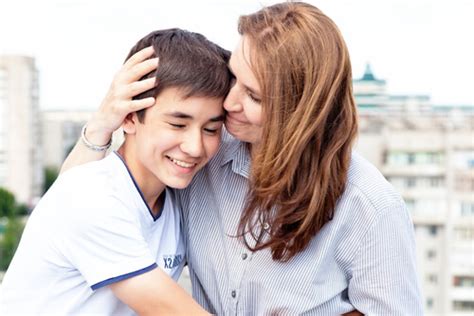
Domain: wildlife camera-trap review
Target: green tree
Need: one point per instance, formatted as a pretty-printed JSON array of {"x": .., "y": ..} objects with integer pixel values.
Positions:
[
  {"x": 10, "y": 233},
  {"x": 9, "y": 241},
  {"x": 7, "y": 203},
  {"x": 50, "y": 175},
  {"x": 22, "y": 209}
]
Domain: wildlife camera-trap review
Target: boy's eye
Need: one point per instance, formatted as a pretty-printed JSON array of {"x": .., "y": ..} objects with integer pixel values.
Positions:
[
  {"x": 211, "y": 131},
  {"x": 177, "y": 125}
]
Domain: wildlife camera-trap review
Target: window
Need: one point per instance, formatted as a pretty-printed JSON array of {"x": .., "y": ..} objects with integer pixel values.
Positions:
[
  {"x": 432, "y": 278},
  {"x": 463, "y": 305},
  {"x": 429, "y": 303},
  {"x": 464, "y": 233},
  {"x": 464, "y": 183},
  {"x": 433, "y": 230},
  {"x": 414, "y": 158},
  {"x": 467, "y": 209},
  {"x": 431, "y": 254},
  {"x": 436, "y": 182},
  {"x": 470, "y": 163},
  {"x": 463, "y": 281},
  {"x": 410, "y": 203},
  {"x": 410, "y": 182},
  {"x": 463, "y": 159}
]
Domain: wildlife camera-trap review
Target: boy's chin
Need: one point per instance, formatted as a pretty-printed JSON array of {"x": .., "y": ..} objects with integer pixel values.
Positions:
[{"x": 178, "y": 184}]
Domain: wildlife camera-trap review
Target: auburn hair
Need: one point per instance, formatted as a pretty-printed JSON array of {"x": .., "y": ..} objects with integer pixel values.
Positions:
[{"x": 299, "y": 169}]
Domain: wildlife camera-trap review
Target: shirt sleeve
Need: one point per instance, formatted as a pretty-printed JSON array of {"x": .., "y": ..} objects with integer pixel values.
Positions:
[
  {"x": 105, "y": 244},
  {"x": 384, "y": 279}
]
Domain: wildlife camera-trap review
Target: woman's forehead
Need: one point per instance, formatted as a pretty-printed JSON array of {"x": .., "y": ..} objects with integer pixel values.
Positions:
[{"x": 240, "y": 64}]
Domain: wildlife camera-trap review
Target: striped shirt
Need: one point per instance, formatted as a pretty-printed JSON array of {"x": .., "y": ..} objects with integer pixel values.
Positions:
[{"x": 363, "y": 259}]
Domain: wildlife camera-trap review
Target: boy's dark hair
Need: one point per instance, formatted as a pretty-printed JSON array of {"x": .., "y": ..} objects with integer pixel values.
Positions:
[{"x": 188, "y": 61}]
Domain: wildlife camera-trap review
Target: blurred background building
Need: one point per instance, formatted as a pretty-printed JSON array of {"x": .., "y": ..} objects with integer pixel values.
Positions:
[
  {"x": 426, "y": 151},
  {"x": 60, "y": 132},
  {"x": 20, "y": 137}
]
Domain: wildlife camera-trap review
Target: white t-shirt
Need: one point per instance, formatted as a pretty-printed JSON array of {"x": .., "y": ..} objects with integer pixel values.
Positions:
[{"x": 91, "y": 229}]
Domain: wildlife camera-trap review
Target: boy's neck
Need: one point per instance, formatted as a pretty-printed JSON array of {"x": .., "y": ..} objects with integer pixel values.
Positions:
[{"x": 150, "y": 186}]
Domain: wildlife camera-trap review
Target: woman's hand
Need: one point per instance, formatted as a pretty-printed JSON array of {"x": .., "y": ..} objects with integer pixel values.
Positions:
[
  {"x": 117, "y": 103},
  {"x": 118, "y": 100}
]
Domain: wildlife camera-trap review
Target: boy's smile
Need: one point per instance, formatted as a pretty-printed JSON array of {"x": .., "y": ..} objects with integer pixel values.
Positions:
[{"x": 176, "y": 138}]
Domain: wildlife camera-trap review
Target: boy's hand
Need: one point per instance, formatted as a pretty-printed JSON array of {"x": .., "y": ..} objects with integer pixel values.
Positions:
[{"x": 118, "y": 100}]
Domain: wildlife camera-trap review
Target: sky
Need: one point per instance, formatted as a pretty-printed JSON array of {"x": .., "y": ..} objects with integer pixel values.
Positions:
[{"x": 421, "y": 47}]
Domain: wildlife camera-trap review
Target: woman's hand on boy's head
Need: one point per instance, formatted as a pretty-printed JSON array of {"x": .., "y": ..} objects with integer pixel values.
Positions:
[{"x": 118, "y": 101}]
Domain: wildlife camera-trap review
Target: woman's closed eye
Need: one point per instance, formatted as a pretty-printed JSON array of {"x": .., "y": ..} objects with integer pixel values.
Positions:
[{"x": 253, "y": 97}]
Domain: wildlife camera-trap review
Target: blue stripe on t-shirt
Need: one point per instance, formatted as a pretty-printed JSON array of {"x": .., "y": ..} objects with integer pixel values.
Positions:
[
  {"x": 155, "y": 218},
  {"x": 122, "y": 277}
]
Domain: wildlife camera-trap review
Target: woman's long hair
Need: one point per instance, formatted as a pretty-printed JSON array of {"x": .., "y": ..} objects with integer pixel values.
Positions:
[{"x": 300, "y": 167}]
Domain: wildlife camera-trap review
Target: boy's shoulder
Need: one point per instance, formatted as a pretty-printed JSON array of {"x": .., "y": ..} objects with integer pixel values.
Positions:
[{"x": 92, "y": 186}]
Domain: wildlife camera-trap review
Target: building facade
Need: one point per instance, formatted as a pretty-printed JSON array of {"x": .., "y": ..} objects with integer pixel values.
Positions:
[
  {"x": 20, "y": 140},
  {"x": 60, "y": 132},
  {"x": 427, "y": 153}
]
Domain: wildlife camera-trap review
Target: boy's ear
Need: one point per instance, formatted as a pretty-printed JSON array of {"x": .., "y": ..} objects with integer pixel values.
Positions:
[{"x": 129, "y": 123}]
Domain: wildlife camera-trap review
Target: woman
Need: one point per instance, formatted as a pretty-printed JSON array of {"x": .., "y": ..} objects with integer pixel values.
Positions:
[{"x": 286, "y": 219}]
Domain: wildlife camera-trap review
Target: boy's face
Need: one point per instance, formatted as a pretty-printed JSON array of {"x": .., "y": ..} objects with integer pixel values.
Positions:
[{"x": 177, "y": 138}]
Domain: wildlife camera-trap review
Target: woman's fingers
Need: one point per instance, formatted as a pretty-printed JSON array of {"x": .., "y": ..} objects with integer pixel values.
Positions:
[
  {"x": 118, "y": 101},
  {"x": 137, "y": 105},
  {"x": 139, "y": 56},
  {"x": 137, "y": 87},
  {"x": 139, "y": 70}
]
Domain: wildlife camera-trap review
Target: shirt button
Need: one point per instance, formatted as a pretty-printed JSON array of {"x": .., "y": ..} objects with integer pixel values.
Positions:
[
  {"x": 244, "y": 256},
  {"x": 266, "y": 226},
  {"x": 233, "y": 294}
]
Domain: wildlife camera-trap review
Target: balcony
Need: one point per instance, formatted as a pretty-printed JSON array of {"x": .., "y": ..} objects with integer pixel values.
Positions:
[{"x": 413, "y": 170}]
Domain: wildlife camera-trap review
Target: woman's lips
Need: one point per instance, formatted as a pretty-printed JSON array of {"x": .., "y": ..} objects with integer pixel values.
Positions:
[{"x": 234, "y": 120}]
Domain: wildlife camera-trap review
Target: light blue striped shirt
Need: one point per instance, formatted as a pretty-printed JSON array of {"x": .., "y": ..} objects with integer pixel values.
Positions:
[{"x": 364, "y": 258}]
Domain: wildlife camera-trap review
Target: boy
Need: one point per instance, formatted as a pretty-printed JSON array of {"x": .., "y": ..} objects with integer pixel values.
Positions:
[{"x": 94, "y": 242}]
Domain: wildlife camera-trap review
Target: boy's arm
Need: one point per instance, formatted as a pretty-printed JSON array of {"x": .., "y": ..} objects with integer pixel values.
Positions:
[
  {"x": 155, "y": 293},
  {"x": 115, "y": 106}
]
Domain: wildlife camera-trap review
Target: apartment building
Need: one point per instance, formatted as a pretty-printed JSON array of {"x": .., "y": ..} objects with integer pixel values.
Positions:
[
  {"x": 60, "y": 132},
  {"x": 20, "y": 140},
  {"x": 427, "y": 153}
]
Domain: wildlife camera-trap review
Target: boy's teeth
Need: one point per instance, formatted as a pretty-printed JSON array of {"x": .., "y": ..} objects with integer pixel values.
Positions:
[{"x": 182, "y": 163}]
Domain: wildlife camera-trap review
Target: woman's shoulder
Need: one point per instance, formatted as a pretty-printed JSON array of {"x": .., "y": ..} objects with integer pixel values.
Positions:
[
  {"x": 368, "y": 199},
  {"x": 366, "y": 182}
]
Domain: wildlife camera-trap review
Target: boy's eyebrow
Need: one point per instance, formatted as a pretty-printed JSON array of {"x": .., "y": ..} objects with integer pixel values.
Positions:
[
  {"x": 179, "y": 115},
  {"x": 218, "y": 118},
  {"x": 182, "y": 115}
]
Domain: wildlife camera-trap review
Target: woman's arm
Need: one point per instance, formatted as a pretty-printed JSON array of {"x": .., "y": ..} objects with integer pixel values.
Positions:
[
  {"x": 115, "y": 107},
  {"x": 384, "y": 278}
]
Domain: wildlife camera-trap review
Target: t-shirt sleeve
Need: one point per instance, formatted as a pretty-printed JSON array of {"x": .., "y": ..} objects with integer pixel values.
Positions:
[{"x": 104, "y": 242}]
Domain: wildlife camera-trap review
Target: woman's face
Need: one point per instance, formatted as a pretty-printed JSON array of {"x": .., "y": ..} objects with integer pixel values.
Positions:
[{"x": 243, "y": 103}]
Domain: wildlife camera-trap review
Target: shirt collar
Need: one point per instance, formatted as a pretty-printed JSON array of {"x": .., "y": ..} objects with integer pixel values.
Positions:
[{"x": 237, "y": 153}]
